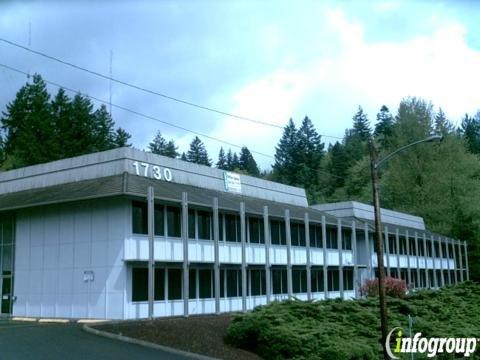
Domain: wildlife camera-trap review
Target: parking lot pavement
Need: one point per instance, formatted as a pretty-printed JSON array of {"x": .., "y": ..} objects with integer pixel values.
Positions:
[{"x": 25, "y": 341}]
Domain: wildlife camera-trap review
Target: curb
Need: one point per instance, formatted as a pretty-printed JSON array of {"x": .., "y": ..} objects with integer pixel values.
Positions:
[{"x": 147, "y": 344}]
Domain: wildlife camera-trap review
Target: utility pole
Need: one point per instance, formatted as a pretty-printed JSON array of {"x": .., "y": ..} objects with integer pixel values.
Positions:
[{"x": 379, "y": 243}]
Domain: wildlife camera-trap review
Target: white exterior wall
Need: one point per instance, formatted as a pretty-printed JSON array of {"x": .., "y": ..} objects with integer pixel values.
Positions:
[{"x": 56, "y": 244}]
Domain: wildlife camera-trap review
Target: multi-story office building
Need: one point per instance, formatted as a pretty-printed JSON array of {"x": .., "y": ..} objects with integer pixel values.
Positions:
[{"x": 127, "y": 234}]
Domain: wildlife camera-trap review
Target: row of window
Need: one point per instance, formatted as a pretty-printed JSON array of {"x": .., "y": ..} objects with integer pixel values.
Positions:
[
  {"x": 423, "y": 277},
  {"x": 200, "y": 226},
  {"x": 412, "y": 250},
  {"x": 202, "y": 285}
]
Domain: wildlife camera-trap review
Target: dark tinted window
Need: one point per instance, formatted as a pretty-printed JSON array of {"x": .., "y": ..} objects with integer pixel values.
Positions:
[
  {"x": 174, "y": 221},
  {"x": 204, "y": 225},
  {"x": 174, "y": 284}
]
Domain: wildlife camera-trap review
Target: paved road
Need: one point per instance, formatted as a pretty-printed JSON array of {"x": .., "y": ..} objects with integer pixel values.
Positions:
[{"x": 25, "y": 341}]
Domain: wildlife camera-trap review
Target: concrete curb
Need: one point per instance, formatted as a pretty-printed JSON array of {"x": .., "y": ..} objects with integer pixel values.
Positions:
[{"x": 130, "y": 340}]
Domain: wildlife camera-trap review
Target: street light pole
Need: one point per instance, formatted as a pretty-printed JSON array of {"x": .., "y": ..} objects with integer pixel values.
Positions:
[{"x": 374, "y": 164}]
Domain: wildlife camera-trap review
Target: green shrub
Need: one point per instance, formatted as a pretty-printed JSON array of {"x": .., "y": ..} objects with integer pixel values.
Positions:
[{"x": 350, "y": 330}]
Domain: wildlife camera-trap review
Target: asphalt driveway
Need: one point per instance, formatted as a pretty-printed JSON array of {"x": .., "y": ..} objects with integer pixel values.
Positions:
[{"x": 25, "y": 341}]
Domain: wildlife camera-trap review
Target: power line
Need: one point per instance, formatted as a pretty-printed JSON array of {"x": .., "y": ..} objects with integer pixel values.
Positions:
[
  {"x": 152, "y": 117},
  {"x": 149, "y": 91}
]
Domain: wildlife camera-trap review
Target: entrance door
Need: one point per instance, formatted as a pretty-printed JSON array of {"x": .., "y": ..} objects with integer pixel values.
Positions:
[{"x": 6, "y": 299}]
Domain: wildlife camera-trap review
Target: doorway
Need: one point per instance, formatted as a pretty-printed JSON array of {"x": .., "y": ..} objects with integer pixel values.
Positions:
[{"x": 7, "y": 249}]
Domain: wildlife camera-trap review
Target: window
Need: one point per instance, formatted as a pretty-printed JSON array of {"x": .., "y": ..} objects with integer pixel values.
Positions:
[
  {"x": 192, "y": 283},
  {"x": 140, "y": 284},
  {"x": 191, "y": 224},
  {"x": 348, "y": 279},
  {"x": 140, "y": 218},
  {"x": 205, "y": 279},
  {"x": 204, "y": 225},
  {"x": 411, "y": 244},
  {"x": 317, "y": 280},
  {"x": 299, "y": 280},
  {"x": 421, "y": 250},
  {"x": 437, "y": 249},
  {"x": 256, "y": 233},
  {"x": 220, "y": 227},
  {"x": 297, "y": 231},
  {"x": 444, "y": 250},
  {"x": 174, "y": 284},
  {"x": 257, "y": 282},
  {"x": 429, "y": 248},
  {"x": 346, "y": 239},
  {"x": 279, "y": 281},
  {"x": 233, "y": 282},
  {"x": 174, "y": 221},
  {"x": 332, "y": 242},
  {"x": 277, "y": 232},
  {"x": 403, "y": 245},
  {"x": 333, "y": 280},
  {"x": 232, "y": 222},
  {"x": 392, "y": 244},
  {"x": 316, "y": 235}
]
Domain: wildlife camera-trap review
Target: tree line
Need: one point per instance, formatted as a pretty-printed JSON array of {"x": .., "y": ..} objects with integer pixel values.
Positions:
[{"x": 438, "y": 181}]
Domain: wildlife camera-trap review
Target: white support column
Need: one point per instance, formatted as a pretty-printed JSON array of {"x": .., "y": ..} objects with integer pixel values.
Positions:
[
  {"x": 371, "y": 273},
  {"x": 419, "y": 282},
  {"x": 325, "y": 257},
  {"x": 289, "y": 253},
  {"x": 434, "y": 257},
  {"x": 466, "y": 260},
  {"x": 440, "y": 250},
  {"x": 340, "y": 258},
  {"x": 461, "y": 261},
  {"x": 387, "y": 251},
  {"x": 216, "y": 269},
  {"x": 151, "y": 250},
  {"x": 397, "y": 245},
  {"x": 266, "y": 231},
  {"x": 185, "y": 252},
  {"x": 425, "y": 255},
  {"x": 354, "y": 258},
  {"x": 244, "y": 259},
  {"x": 455, "y": 264},
  {"x": 409, "y": 271},
  {"x": 449, "y": 275},
  {"x": 309, "y": 264}
]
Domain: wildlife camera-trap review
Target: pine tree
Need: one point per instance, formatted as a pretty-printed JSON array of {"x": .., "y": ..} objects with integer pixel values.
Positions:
[
  {"x": 229, "y": 163},
  {"x": 384, "y": 127},
  {"x": 361, "y": 125},
  {"x": 235, "y": 165},
  {"x": 247, "y": 163},
  {"x": 470, "y": 129},
  {"x": 442, "y": 125},
  {"x": 27, "y": 124},
  {"x": 160, "y": 146},
  {"x": 198, "y": 153},
  {"x": 183, "y": 157},
  {"x": 121, "y": 138},
  {"x": 285, "y": 168},
  {"x": 222, "y": 160}
]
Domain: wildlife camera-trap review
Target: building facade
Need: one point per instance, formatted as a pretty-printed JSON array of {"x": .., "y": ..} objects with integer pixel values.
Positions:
[{"x": 127, "y": 234}]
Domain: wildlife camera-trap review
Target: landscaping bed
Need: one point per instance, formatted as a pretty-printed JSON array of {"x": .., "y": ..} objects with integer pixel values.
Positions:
[
  {"x": 197, "y": 334},
  {"x": 350, "y": 330}
]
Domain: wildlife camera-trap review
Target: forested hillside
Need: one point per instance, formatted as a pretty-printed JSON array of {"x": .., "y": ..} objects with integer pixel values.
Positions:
[{"x": 438, "y": 181}]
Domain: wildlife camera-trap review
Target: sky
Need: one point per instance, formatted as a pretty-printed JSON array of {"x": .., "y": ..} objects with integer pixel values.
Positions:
[{"x": 265, "y": 60}]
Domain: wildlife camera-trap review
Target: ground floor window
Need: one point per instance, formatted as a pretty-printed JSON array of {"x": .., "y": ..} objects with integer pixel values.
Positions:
[
  {"x": 140, "y": 284},
  {"x": 317, "y": 280},
  {"x": 299, "y": 280},
  {"x": 348, "y": 279},
  {"x": 333, "y": 280},
  {"x": 279, "y": 281},
  {"x": 256, "y": 282},
  {"x": 231, "y": 279}
]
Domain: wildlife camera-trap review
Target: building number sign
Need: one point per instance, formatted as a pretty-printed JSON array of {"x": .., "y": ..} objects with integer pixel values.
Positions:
[{"x": 153, "y": 171}]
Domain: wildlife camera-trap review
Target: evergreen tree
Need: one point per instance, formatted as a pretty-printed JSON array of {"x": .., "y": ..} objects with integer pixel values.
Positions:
[
  {"x": 229, "y": 162},
  {"x": 384, "y": 127},
  {"x": 222, "y": 162},
  {"x": 27, "y": 124},
  {"x": 121, "y": 138},
  {"x": 285, "y": 168},
  {"x": 361, "y": 126},
  {"x": 183, "y": 157},
  {"x": 470, "y": 129},
  {"x": 198, "y": 153},
  {"x": 235, "y": 165},
  {"x": 160, "y": 146},
  {"x": 442, "y": 125},
  {"x": 247, "y": 163}
]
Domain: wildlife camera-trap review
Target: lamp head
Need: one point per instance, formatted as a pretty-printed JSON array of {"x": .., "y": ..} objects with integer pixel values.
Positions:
[{"x": 434, "y": 138}]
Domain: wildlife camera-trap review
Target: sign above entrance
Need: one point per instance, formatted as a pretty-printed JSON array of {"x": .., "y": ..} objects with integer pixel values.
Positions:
[{"x": 232, "y": 182}]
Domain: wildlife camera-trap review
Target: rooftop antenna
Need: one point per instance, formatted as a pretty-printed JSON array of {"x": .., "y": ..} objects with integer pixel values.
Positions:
[
  {"x": 110, "y": 83},
  {"x": 29, "y": 43}
]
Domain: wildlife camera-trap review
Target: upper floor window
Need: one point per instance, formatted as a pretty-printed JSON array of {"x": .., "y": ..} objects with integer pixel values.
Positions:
[
  {"x": 316, "y": 239},
  {"x": 277, "y": 232},
  {"x": 332, "y": 242},
  {"x": 347, "y": 239},
  {"x": 255, "y": 230},
  {"x": 140, "y": 218}
]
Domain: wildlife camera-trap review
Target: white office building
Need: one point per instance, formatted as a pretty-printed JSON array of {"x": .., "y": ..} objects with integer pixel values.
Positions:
[{"x": 126, "y": 234}]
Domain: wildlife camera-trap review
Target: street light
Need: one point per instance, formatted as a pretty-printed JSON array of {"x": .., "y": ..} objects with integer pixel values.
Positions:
[{"x": 374, "y": 164}]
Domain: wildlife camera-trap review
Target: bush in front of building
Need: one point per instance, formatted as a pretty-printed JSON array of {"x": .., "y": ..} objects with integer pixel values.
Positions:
[
  {"x": 350, "y": 330},
  {"x": 395, "y": 288}
]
